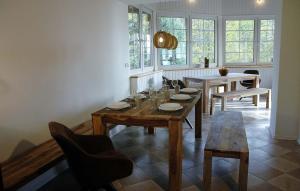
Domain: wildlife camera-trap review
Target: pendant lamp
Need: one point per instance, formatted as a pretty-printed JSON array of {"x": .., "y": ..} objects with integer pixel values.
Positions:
[{"x": 161, "y": 39}]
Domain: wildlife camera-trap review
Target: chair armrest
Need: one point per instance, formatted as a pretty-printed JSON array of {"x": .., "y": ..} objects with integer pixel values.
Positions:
[{"x": 94, "y": 144}]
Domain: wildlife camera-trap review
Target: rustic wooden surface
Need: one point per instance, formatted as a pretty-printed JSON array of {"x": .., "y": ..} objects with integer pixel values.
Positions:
[
  {"x": 20, "y": 170},
  {"x": 149, "y": 116},
  {"x": 240, "y": 93},
  {"x": 231, "y": 77},
  {"x": 227, "y": 138}
]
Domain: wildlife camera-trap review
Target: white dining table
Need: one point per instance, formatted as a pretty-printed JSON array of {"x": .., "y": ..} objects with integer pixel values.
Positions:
[{"x": 231, "y": 78}]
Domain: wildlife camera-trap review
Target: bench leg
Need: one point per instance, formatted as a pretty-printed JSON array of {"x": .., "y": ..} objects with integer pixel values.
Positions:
[
  {"x": 243, "y": 174},
  {"x": 223, "y": 104},
  {"x": 256, "y": 97},
  {"x": 207, "y": 170},
  {"x": 268, "y": 100},
  {"x": 151, "y": 130},
  {"x": 212, "y": 106}
]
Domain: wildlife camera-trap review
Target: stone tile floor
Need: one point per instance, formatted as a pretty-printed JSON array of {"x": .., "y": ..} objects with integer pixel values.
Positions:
[{"x": 274, "y": 164}]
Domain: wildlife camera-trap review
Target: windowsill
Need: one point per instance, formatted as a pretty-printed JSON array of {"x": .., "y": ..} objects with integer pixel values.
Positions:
[
  {"x": 186, "y": 68},
  {"x": 141, "y": 71},
  {"x": 248, "y": 65},
  {"x": 145, "y": 73}
]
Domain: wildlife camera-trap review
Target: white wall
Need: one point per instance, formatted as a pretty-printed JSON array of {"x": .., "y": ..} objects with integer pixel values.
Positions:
[
  {"x": 59, "y": 60},
  {"x": 287, "y": 122}
]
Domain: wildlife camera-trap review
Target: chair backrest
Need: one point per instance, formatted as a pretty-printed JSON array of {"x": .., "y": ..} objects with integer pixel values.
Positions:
[
  {"x": 251, "y": 72},
  {"x": 66, "y": 139},
  {"x": 169, "y": 83},
  {"x": 1, "y": 179}
]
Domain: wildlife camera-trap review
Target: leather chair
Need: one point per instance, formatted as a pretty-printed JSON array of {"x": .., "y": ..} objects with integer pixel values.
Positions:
[
  {"x": 169, "y": 83},
  {"x": 92, "y": 159},
  {"x": 249, "y": 83}
]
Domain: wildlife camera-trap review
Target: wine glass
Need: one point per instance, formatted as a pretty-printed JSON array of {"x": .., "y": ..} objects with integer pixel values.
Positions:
[{"x": 174, "y": 83}]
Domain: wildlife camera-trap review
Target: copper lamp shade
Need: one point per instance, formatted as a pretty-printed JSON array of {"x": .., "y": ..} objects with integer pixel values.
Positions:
[{"x": 165, "y": 40}]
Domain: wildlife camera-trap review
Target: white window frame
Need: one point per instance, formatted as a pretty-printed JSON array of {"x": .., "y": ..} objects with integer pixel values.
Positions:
[
  {"x": 174, "y": 15},
  {"x": 204, "y": 17},
  {"x": 256, "y": 40},
  {"x": 143, "y": 68},
  {"x": 188, "y": 19}
]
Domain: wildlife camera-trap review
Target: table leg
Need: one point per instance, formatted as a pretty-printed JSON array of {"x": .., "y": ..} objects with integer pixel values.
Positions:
[
  {"x": 226, "y": 88},
  {"x": 243, "y": 174},
  {"x": 256, "y": 85},
  {"x": 151, "y": 130},
  {"x": 207, "y": 170},
  {"x": 175, "y": 155},
  {"x": 99, "y": 128},
  {"x": 205, "y": 96},
  {"x": 233, "y": 86},
  {"x": 268, "y": 99},
  {"x": 198, "y": 118}
]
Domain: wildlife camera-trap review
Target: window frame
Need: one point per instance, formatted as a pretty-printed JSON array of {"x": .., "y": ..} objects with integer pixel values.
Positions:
[
  {"x": 173, "y": 15},
  {"x": 144, "y": 68},
  {"x": 204, "y": 17},
  {"x": 256, "y": 41},
  {"x": 188, "y": 20}
]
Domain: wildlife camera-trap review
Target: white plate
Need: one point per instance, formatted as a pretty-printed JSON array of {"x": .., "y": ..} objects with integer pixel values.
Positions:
[
  {"x": 170, "y": 107},
  {"x": 141, "y": 96},
  {"x": 181, "y": 97},
  {"x": 189, "y": 90},
  {"x": 118, "y": 105}
]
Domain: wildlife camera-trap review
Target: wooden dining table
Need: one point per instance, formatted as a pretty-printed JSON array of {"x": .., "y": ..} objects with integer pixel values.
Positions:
[
  {"x": 147, "y": 115},
  {"x": 231, "y": 78}
]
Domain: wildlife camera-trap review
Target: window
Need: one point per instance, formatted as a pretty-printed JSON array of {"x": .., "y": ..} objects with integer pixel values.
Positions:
[
  {"x": 239, "y": 41},
  {"x": 140, "y": 29},
  {"x": 203, "y": 40},
  {"x": 177, "y": 27},
  {"x": 266, "y": 41},
  {"x": 134, "y": 37},
  {"x": 146, "y": 38}
]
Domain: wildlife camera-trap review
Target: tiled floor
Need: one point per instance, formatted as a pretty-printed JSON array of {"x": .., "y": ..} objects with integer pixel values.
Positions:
[{"x": 274, "y": 164}]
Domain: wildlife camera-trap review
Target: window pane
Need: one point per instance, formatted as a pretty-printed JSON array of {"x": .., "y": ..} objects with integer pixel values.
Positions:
[
  {"x": 203, "y": 40},
  {"x": 266, "y": 41},
  {"x": 177, "y": 27},
  {"x": 146, "y": 38},
  {"x": 232, "y": 36},
  {"x": 134, "y": 37},
  {"x": 239, "y": 42},
  {"x": 232, "y": 57}
]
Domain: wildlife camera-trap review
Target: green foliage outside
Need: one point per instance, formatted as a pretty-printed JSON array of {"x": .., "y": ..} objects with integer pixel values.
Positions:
[{"x": 177, "y": 27}]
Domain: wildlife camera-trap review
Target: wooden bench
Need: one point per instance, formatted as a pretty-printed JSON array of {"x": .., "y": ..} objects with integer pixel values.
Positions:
[
  {"x": 226, "y": 138},
  {"x": 238, "y": 94},
  {"x": 22, "y": 169}
]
